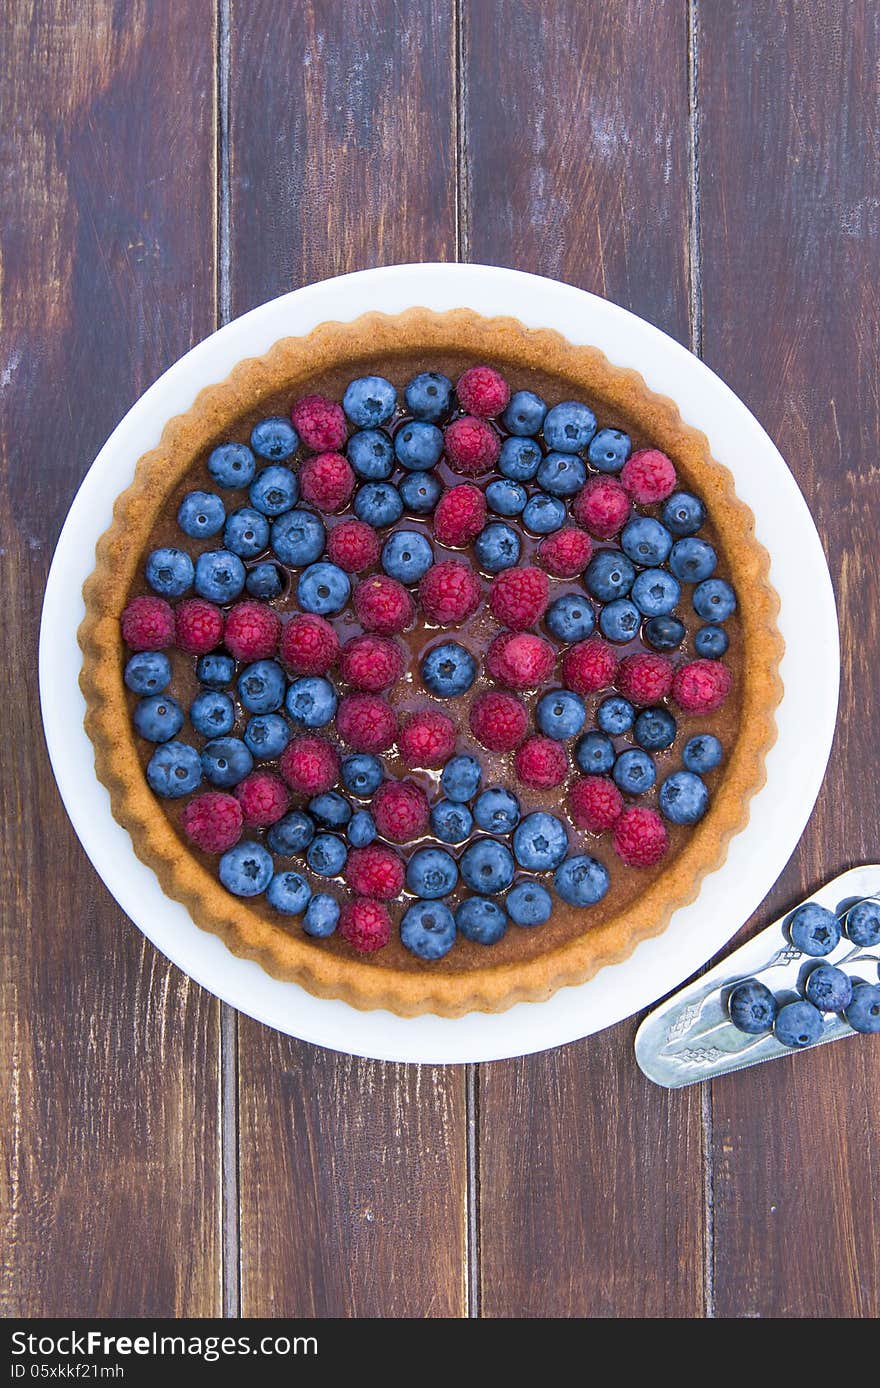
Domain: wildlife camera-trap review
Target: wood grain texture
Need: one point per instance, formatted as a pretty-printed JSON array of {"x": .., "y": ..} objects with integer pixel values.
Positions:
[
  {"x": 352, "y": 1173},
  {"x": 789, "y": 139},
  {"x": 581, "y": 172},
  {"x": 109, "y": 1122}
]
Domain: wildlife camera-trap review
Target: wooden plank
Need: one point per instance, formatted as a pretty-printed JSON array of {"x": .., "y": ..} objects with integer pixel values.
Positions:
[
  {"x": 352, "y": 1174},
  {"x": 789, "y": 128},
  {"x": 109, "y": 1117},
  {"x": 591, "y": 1187}
]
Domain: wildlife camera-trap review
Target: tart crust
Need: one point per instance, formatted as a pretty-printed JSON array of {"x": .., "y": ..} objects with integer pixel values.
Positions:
[{"x": 291, "y": 955}]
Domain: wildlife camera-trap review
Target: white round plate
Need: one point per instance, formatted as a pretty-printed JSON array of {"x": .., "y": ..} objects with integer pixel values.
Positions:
[{"x": 795, "y": 765}]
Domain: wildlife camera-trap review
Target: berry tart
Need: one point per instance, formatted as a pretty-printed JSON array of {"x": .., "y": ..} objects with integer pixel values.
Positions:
[{"x": 431, "y": 661}]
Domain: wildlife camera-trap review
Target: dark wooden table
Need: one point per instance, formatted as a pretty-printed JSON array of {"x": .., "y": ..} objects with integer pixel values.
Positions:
[{"x": 167, "y": 165}]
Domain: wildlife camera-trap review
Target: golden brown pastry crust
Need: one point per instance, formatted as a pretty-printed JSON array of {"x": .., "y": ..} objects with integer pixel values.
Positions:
[{"x": 293, "y": 956}]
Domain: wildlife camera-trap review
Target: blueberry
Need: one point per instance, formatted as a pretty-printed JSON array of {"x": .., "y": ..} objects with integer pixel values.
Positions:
[
  {"x": 274, "y": 439},
  {"x": 169, "y": 571},
  {"x": 655, "y": 592},
  {"x": 201, "y": 514},
  {"x": 645, "y": 541},
  {"x": 496, "y": 810},
  {"x": 326, "y": 855},
  {"x": 615, "y": 715},
  {"x": 620, "y": 620},
  {"x": 506, "y": 498},
  {"x": 480, "y": 920},
  {"x": 378, "y": 504},
  {"x": 361, "y": 829},
  {"x": 702, "y": 753},
  {"x": 664, "y": 633},
  {"x": 692, "y": 560},
  {"x": 321, "y": 916},
  {"x": 863, "y": 1010},
  {"x": 683, "y": 513},
  {"x": 752, "y": 1007},
  {"x": 261, "y": 686},
  {"x": 420, "y": 492},
  {"x": 594, "y": 754},
  {"x": 609, "y": 575},
  {"x": 609, "y": 450},
  {"x": 323, "y": 588},
  {"x": 274, "y": 491},
  {"x": 828, "y": 988},
  {"x": 158, "y": 718},
  {"x": 418, "y": 445},
  {"x": 428, "y": 396},
  {"x": 212, "y": 713},
  {"x": 561, "y": 474},
  {"x": 246, "y": 870},
  {"x": 487, "y": 866},
  {"x": 406, "y": 555},
  {"x": 265, "y": 581},
  {"x": 560, "y": 714},
  {"x": 292, "y": 834},
  {"x": 226, "y": 761},
  {"x": 798, "y": 1024},
  {"x": 813, "y": 929},
  {"x": 540, "y": 842},
  {"x": 371, "y": 454},
  {"x": 232, "y": 465},
  {"x": 174, "y": 769},
  {"x": 543, "y": 514},
  {"x": 289, "y": 893},
  {"x": 246, "y": 533},
  {"x": 451, "y": 822},
  {"x": 862, "y": 923},
  {"x": 369, "y": 401},
  {"x": 219, "y": 575},
  {"x": 330, "y": 810},
  {"x": 448, "y": 670},
  {"x": 683, "y": 798},
  {"x": 711, "y": 642},
  {"x": 311, "y": 701},
  {"x": 431, "y": 873},
  {"x": 569, "y": 427},
  {"x": 582, "y": 880},
  {"x": 460, "y": 778},
  {"x": 570, "y": 618},
  {"x": 362, "y": 774},
  {"x": 216, "y": 671},
  {"x": 655, "y": 729},
  {"x": 298, "y": 538},
  {"x": 528, "y": 903},
  {"x": 525, "y": 413},
  {"x": 497, "y": 547},
  {"x": 427, "y": 929},
  {"x": 267, "y": 735},
  {"x": 519, "y": 459},
  {"x": 714, "y": 600},
  {"x": 148, "y": 672},
  {"x": 634, "y": 772}
]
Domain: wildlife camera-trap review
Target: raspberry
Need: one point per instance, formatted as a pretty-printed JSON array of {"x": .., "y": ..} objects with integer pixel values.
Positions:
[
  {"x": 212, "y": 821},
  {"x": 595, "y": 803},
  {"x": 589, "y": 666},
  {"x": 148, "y": 624},
  {"x": 383, "y": 605},
  {"x": 472, "y": 446},
  {"x": 252, "y": 631},
  {"x": 498, "y": 720},
  {"x": 518, "y": 597},
  {"x": 449, "y": 592},
  {"x": 319, "y": 422},
  {"x": 400, "y": 809},
  {"x": 371, "y": 663},
  {"x": 427, "y": 738},
  {"x": 701, "y": 686},
  {"x": 366, "y": 723},
  {"x": 648, "y": 476},
  {"x": 309, "y": 645},
  {"x": 375, "y": 871},
  {"x": 482, "y": 391},
  {"x": 566, "y": 553},
  {"x": 460, "y": 515},
  {"x": 353, "y": 545},
  {"x": 309, "y": 765},
  {"x": 366, "y": 925},
  {"x": 520, "y": 660},
  {"x": 645, "y": 678},
  {"x": 602, "y": 507},
  {"x": 198, "y": 626},
  {"x": 541, "y": 762},
  {"x": 327, "y": 481},
  {"x": 263, "y": 797},
  {"x": 640, "y": 837}
]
